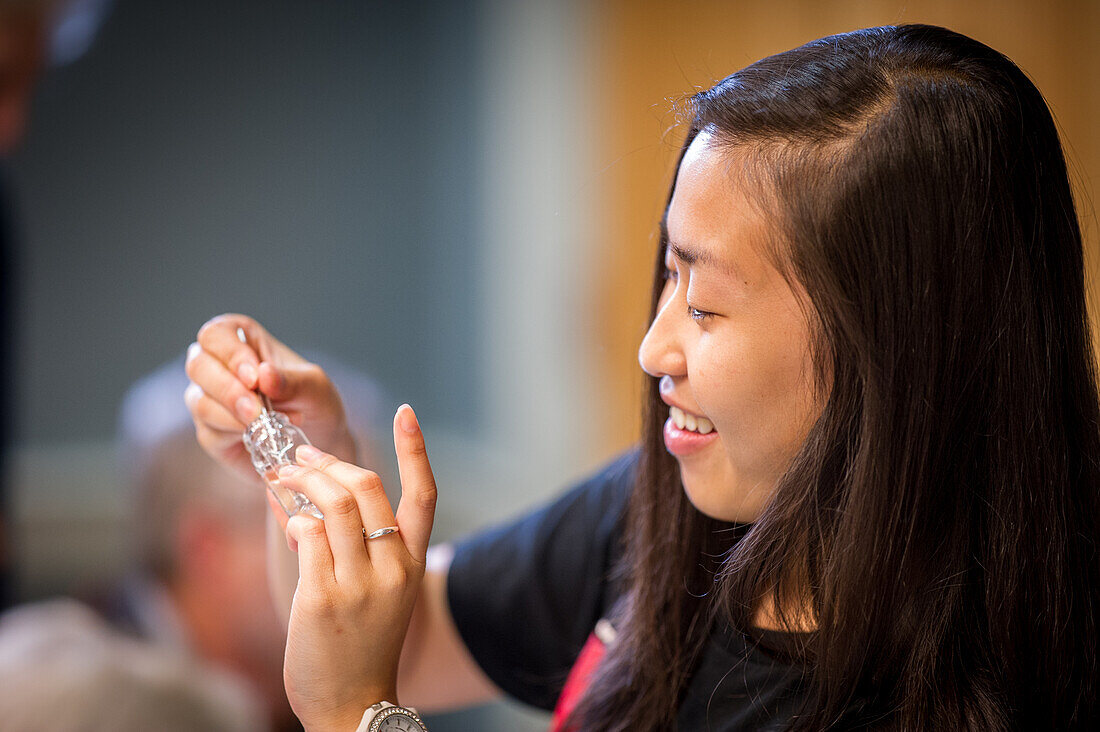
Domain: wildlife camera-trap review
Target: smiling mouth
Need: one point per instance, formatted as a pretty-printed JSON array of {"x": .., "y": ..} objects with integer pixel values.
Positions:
[{"x": 690, "y": 422}]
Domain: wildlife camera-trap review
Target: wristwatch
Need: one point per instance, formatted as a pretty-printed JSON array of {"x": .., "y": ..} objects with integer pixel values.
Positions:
[{"x": 386, "y": 717}]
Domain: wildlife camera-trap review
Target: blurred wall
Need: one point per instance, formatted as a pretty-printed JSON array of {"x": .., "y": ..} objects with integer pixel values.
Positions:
[
  {"x": 387, "y": 182},
  {"x": 310, "y": 164},
  {"x": 652, "y": 53}
]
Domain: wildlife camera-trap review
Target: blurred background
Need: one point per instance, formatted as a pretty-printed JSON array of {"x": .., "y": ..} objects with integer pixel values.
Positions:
[{"x": 453, "y": 201}]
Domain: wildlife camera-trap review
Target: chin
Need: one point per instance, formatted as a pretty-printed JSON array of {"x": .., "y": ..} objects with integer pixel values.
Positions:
[{"x": 715, "y": 498}]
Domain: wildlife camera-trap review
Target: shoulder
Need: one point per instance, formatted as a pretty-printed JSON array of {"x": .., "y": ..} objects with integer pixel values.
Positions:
[
  {"x": 609, "y": 487},
  {"x": 524, "y": 595},
  {"x": 591, "y": 507}
]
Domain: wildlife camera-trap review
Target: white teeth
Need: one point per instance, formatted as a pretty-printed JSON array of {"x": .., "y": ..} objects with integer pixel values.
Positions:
[
  {"x": 690, "y": 422},
  {"x": 678, "y": 417}
]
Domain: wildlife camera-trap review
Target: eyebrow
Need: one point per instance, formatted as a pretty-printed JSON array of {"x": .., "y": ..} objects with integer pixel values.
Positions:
[{"x": 691, "y": 257}]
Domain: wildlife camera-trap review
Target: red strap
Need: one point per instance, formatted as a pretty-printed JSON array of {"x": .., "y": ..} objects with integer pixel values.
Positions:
[{"x": 577, "y": 682}]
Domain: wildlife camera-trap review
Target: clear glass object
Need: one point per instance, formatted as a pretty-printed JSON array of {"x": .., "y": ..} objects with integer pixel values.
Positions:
[{"x": 271, "y": 441}]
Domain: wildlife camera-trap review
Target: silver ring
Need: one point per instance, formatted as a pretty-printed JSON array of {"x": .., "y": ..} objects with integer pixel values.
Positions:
[{"x": 380, "y": 532}]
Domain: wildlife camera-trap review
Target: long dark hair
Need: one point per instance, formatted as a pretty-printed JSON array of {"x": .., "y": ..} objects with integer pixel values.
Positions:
[{"x": 943, "y": 509}]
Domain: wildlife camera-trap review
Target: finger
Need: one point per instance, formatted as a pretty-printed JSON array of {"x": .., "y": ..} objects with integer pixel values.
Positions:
[
  {"x": 287, "y": 382},
  {"x": 343, "y": 523},
  {"x": 217, "y": 382},
  {"x": 209, "y": 412},
  {"x": 315, "y": 564},
  {"x": 374, "y": 507},
  {"x": 218, "y": 336},
  {"x": 216, "y": 443},
  {"x": 416, "y": 509}
]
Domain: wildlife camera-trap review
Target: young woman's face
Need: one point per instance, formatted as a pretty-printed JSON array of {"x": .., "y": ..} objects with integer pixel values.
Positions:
[{"x": 729, "y": 344}]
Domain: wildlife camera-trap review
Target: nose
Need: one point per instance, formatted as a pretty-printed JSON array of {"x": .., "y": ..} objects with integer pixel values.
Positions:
[{"x": 661, "y": 353}]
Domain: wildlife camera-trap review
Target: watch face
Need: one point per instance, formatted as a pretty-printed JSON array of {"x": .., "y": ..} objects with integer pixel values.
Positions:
[{"x": 398, "y": 722}]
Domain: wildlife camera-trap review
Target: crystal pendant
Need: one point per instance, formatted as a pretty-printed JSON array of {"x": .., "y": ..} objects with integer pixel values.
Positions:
[{"x": 272, "y": 441}]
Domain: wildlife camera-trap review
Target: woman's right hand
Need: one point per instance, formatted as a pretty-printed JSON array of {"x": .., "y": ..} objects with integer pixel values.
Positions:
[{"x": 224, "y": 375}]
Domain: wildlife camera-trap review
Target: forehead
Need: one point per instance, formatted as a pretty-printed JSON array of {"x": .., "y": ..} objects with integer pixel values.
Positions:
[{"x": 714, "y": 212}]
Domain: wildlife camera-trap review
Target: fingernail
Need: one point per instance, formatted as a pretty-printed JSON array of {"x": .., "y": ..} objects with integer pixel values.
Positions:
[
  {"x": 247, "y": 372},
  {"x": 288, "y": 471},
  {"x": 408, "y": 419},
  {"x": 192, "y": 393},
  {"x": 308, "y": 453},
  {"x": 247, "y": 409}
]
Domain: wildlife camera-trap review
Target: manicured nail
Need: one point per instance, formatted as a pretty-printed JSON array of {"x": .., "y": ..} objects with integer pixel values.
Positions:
[
  {"x": 309, "y": 453},
  {"x": 408, "y": 419},
  {"x": 247, "y": 372},
  {"x": 289, "y": 471},
  {"x": 247, "y": 409}
]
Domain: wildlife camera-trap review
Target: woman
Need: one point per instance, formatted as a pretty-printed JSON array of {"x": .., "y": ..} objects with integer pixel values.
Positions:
[{"x": 868, "y": 490}]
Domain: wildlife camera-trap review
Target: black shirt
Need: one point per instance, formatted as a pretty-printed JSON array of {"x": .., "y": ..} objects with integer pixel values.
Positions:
[{"x": 525, "y": 596}]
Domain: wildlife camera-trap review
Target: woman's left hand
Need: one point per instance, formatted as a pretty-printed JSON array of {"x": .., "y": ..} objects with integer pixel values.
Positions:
[{"x": 355, "y": 597}]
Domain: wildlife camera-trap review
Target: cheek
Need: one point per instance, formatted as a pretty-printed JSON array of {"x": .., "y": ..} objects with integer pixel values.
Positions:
[
  {"x": 718, "y": 379},
  {"x": 783, "y": 402},
  {"x": 755, "y": 394}
]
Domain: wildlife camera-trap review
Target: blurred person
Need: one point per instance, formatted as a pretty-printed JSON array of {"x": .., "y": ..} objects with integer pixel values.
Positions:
[
  {"x": 868, "y": 492},
  {"x": 33, "y": 33},
  {"x": 63, "y": 669},
  {"x": 200, "y": 581},
  {"x": 22, "y": 56},
  {"x": 24, "y": 50},
  {"x": 200, "y": 587}
]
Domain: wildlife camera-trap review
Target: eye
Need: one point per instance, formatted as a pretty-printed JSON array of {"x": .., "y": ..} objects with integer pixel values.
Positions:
[
  {"x": 698, "y": 315},
  {"x": 670, "y": 273}
]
